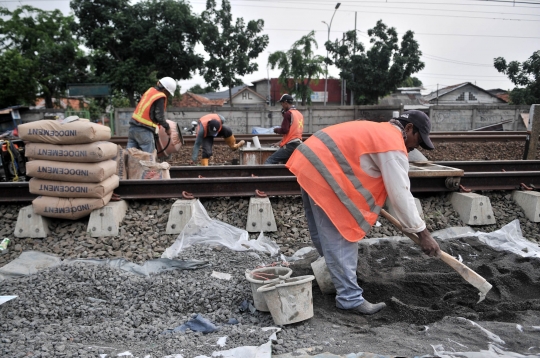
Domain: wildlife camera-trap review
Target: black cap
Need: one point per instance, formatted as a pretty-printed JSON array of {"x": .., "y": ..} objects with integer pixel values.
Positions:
[
  {"x": 422, "y": 123},
  {"x": 286, "y": 98},
  {"x": 213, "y": 127}
]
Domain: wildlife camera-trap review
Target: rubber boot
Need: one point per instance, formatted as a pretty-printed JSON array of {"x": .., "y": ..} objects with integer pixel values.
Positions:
[
  {"x": 231, "y": 142},
  {"x": 204, "y": 162},
  {"x": 369, "y": 308}
]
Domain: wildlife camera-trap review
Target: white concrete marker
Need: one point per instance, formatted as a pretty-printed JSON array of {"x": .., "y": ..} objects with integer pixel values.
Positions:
[
  {"x": 529, "y": 201},
  {"x": 180, "y": 214},
  {"x": 260, "y": 215},
  {"x": 30, "y": 224},
  {"x": 106, "y": 221},
  {"x": 473, "y": 209}
]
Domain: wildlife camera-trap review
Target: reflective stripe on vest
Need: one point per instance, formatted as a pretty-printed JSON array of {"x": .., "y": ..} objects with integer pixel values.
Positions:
[
  {"x": 204, "y": 122},
  {"x": 142, "y": 111},
  {"x": 296, "y": 128},
  {"x": 327, "y": 167}
]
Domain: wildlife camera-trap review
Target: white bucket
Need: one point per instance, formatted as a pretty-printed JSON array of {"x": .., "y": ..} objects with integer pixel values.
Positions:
[
  {"x": 267, "y": 275},
  {"x": 248, "y": 144},
  {"x": 322, "y": 275},
  {"x": 395, "y": 114},
  {"x": 256, "y": 142},
  {"x": 290, "y": 300}
]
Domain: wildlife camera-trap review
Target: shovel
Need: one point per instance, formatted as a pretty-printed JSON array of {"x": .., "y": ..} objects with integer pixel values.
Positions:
[{"x": 469, "y": 275}]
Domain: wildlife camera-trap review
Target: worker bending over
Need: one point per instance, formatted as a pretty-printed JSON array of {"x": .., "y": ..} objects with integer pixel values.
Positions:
[
  {"x": 208, "y": 127},
  {"x": 346, "y": 172}
]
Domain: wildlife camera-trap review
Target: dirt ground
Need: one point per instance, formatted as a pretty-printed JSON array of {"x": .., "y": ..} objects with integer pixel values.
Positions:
[{"x": 429, "y": 305}]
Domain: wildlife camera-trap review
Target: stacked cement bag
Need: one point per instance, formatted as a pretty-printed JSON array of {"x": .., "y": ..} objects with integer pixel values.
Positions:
[{"x": 71, "y": 167}]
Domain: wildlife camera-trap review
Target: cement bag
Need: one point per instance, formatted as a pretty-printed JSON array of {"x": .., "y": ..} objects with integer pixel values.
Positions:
[
  {"x": 149, "y": 170},
  {"x": 168, "y": 145},
  {"x": 80, "y": 153},
  {"x": 78, "y": 172},
  {"x": 67, "y": 189},
  {"x": 121, "y": 159},
  {"x": 68, "y": 208},
  {"x": 54, "y": 132},
  {"x": 134, "y": 156}
]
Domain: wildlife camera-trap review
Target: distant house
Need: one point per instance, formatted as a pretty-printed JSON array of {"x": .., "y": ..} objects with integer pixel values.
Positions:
[
  {"x": 195, "y": 100},
  {"x": 63, "y": 103},
  {"x": 500, "y": 93},
  {"x": 409, "y": 97},
  {"x": 247, "y": 97},
  {"x": 224, "y": 95},
  {"x": 463, "y": 93}
]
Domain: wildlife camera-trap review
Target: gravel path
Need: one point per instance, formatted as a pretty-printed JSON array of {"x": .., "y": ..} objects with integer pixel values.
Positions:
[{"x": 81, "y": 310}]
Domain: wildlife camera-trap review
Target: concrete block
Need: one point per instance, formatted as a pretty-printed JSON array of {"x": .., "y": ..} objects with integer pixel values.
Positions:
[
  {"x": 473, "y": 209},
  {"x": 30, "y": 224},
  {"x": 180, "y": 214},
  {"x": 529, "y": 201},
  {"x": 392, "y": 211},
  {"x": 260, "y": 215},
  {"x": 106, "y": 221}
]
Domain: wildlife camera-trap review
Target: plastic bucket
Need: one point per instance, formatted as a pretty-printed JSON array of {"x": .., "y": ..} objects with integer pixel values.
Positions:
[
  {"x": 289, "y": 300},
  {"x": 264, "y": 276},
  {"x": 322, "y": 275}
]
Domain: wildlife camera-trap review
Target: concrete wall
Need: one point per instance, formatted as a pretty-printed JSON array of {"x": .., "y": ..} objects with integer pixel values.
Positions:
[
  {"x": 242, "y": 120},
  {"x": 468, "y": 117}
]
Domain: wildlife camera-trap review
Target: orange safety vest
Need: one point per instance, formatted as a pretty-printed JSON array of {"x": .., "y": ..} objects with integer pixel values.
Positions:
[
  {"x": 142, "y": 111},
  {"x": 327, "y": 167},
  {"x": 204, "y": 121},
  {"x": 296, "y": 128}
]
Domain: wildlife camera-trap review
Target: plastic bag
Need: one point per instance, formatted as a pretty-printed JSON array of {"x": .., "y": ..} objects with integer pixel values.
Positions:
[
  {"x": 201, "y": 229},
  {"x": 261, "y": 130},
  {"x": 508, "y": 238}
]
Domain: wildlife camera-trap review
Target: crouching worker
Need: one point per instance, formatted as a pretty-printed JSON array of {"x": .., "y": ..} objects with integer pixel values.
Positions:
[
  {"x": 208, "y": 127},
  {"x": 346, "y": 172}
]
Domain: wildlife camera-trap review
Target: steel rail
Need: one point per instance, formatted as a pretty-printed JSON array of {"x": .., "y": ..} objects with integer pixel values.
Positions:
[
  {"x": 277, "y": 186},
  {"x": 436, "y": 137}
]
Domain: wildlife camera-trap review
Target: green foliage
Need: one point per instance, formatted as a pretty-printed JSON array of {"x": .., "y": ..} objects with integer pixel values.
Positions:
[
  {"x": 39, "y": 54},
  {"x": 133, "y": 46},
  {"x": 411, "y": 82},
  {"x": 198, "y": 89},
  {"x": 17, "y": 85},
  {"x": 299, "y": 66},
  {"x": 378, "y": 71},
  {"x": 526, "y": 74},
  {"x": 231, "y": 46}
]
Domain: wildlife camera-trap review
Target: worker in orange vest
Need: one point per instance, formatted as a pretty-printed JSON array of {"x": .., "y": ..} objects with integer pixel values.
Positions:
[
  {"x": 209, "y": 127},
  {"x": 149, "y": 115},
  {"x": 346, "y": 172},
  {"x": 291, "y": 129}
]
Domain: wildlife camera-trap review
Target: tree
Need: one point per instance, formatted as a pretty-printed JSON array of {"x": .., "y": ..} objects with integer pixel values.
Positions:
[
  {"x": 231, "y": 46},
  {"x": 198, "y": 89},
  {"x": 378, "y": 71},
  {"x": 299, "y": 66},
  {"x": 39, "y": 53},
  {"x": 411, "y": 82},
  {"x": 526, "y": 74},
  {"x": 132, "y": 46}
]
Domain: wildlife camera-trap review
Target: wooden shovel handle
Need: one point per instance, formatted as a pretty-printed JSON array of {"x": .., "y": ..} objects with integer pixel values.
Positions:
[{"x": 469, "y": 275}]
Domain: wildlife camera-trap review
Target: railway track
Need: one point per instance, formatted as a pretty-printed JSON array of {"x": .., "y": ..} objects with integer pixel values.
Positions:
[
  {"x": 276, "y": 180},
  {"x": 436, "y": 137}
]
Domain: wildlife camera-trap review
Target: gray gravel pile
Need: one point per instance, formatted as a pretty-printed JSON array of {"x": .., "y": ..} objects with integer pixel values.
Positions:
[{"x": 85, "y": 310}]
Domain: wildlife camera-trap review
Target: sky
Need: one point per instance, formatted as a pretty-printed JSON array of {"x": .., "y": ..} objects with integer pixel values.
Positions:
[{"x": 458, "y": 38}]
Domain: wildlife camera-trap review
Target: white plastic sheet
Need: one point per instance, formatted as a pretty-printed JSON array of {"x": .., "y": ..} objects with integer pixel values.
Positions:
[
  {"x": 201, "y": 229},
  {"x": 508, "y": 238}
]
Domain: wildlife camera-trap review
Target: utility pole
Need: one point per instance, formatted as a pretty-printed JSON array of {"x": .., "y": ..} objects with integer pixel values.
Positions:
[
  {"x": 328, "y": 39},
  {"x": 354, "y": 53},
  {"x": 437, "y": 94}
]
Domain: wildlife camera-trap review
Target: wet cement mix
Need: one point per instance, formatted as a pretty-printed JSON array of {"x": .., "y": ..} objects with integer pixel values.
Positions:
[{"x": 86, "y": 310}]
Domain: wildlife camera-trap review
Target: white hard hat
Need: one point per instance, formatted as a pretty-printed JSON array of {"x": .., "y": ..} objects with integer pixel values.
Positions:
[{"x": 169, "y": 84}]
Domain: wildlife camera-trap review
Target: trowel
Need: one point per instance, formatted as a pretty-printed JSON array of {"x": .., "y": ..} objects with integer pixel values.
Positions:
[{"x": 469, "y": 275}]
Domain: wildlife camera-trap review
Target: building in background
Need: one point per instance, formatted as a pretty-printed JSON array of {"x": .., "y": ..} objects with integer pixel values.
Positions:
[{"x": 463, "y": 93}]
